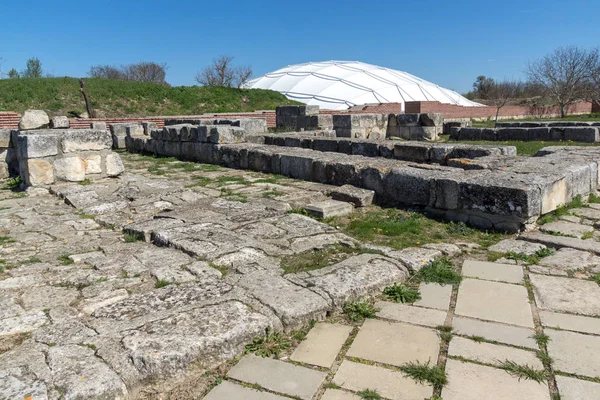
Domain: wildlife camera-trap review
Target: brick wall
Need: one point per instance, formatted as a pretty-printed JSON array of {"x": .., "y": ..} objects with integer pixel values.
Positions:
[{"x": 9, "y": 119}]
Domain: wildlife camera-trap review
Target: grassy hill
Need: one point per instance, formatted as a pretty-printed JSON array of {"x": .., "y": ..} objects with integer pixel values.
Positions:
[{"x": 113, "y": 98}]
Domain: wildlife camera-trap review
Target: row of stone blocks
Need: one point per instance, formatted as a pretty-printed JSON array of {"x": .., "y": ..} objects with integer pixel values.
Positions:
[
  {"x": 496, "y": 199},
  {"x": 46, "y": 156},
  {"x": 575, "y": 134},
  {"x": 426, "y": 152},
  {"x": 530, "y": 124}
]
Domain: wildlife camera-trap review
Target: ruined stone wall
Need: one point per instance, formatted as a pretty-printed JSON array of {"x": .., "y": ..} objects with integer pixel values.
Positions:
[{"x": 589, "y": 134}]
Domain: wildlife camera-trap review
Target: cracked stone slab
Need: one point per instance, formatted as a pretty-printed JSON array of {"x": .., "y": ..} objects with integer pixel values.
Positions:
[
  {"x": 566, "y": 295},
  {"x": 493, "y": 271},
  {"x": 517, "y": 246},
  {"x": 20, "y": 383},
  {"x": 410, "y": 314},
  {"x": 278, "y": 376},
  {"x": 23, "y": 323},
  {"x": 489, "y": 353},
  {"x": 561, "y": 241},
  {"x": 570, "y": 259},
  {"x": 589, "y": 213},
  {"x": 205, "y": 335},
  {"x": 565, "y": 228},
  {"x": 415, "y": 258},
  {"x": 513, "y": 335},
  {"x": 570, "y": 322}
]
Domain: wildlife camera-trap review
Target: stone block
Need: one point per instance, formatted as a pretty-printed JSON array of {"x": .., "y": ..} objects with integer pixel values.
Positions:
[
  {"x": 75, "y": 140},
  {"x": 5, "y": 135},
  {"x": 341, "y": 122},
  {"x": 329, "y": 208},
  {"x": 37, "y": 172},
  {"x": 134, "y": 130},
  {"x": 99, "y": 125},
  {"x": 513, "y": 134},
  {"x": 148, "y": 127},
  {"x": 364, "y": 148},
  {"x": 171, "y": 149},
  {"x": 251, "y": 125},
  {"x": 351, "y": 194},
  {"x": 325, "y": 121},
  {"x": 93, "y": 164},
  {"x": 412, "y": 152},
  {"x": 539, "y": 134},
  {"x": 431, "y": 119},
  {"x": 322, "y": 344},
  {"x": 407, "y": 120},
  {"x": 557, "y": 134},
  {"x": 60, "y": 122},
  {"x": 470, "y": 134},
  {"x": 325, "y": 145},
  {"x": 114, "y": 165},
  {"x": 34, "y": 119},
  {"x": 297, "y": 167},
  {"x": 226, "y": 134},
  {"x": 150, "y": 146},
  {"x": 423, "y": 133},
  {"x": 70, "y": 169},
  {"x": 407, "y": 185},
  {"x": 37, "y": 145},
  {"x": 586, "y": 135}
]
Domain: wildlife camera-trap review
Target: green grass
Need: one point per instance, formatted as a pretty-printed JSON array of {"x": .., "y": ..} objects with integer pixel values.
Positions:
[
  {"x": 85, "y": 182},
  {"x": 424, "y": 373},
  {"x": 114, "y": 98},
  {"x": 541, "y": 339},
  {"x": 13, "y": 183},
  {"x": 131, "y": 237},
  {"x": 6, "y": 239},
  {"x": 270, "y": 345},
  {"x": 563, "y": 210},
  {"x": 368, "y": 394},
  {"x": 528, "y": 259},
  {"x": 32, "y": 260},
  {"x": 64, "y": 258},
  {"x": 400, "y": 229},
  {"x": 524, "y": 371},
  {"x": 595, "y": 278},
  {"x": 317, "y": 259},
  {"x": 439, "y": 271},
  {"x": 161, "y": 283},
  {"x": 358, "y": 311},
  {"x": 402, "y": 293}
]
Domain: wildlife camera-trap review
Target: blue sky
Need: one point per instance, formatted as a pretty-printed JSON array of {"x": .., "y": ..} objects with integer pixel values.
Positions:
[{"x": 446, "y": 42}]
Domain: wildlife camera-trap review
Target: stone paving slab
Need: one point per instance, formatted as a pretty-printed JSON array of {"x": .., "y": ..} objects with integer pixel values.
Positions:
[
  {"x": 322, "y": 344},
  {"x": 589, "y": 213},
  {"x": 336, "y": 394},
  {"x": 561, "y": 241},
  {"x": 566, "y": 294},
  {"x": 570, "y": 259},
  {"x": 388, "y": 383},
  {"x": 512, "y": 335},
  {"x": 517, "y": 246},
  {"x": 278, "y": 376},
  {"x": 565, "y": 228},
  {"x": 395, "y": 343},
  {"x": 410, "y": 314},
  {"x": 493, "y": 271},
  {"x": 570, "y": 322},
  {"x": 577, "y": 389},
  {"x": 434, "y": 295},
  {"x": 232, "y": 391},
  {"x": 489, "y": 353},
  {"x": 494, "y": 301},
  {"x": 574, "y": 353},
  {"x": 329, "y": 208},
  {"x": 468, "y": 381}
]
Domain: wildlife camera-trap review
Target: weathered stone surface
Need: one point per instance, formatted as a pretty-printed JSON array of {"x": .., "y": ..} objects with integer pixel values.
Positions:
[
  {"x": 415, "y": 258},
  {"x": 561, "y": 241},
  {"x": 34, "y": 119},
  {"x": 322, "y": 344},
  {"x": 567, "y": 229},
  {"x": 278, "y": 376},
  {"x": 114, "y": 165},
  {"x": 494, "y": 301},
  {"x": 351, "y": 194},
  {"x": 93, "y": 164},
  {"x": 70, "y": 169},
  {"x": 38, "y": 172},
  {"x": 76, "y": 140},
  {"x": 570, "y": 322},
  {"x": 410, "y": 314},
  {"x": 574, "y": 353},
  {"x": 329, "y": 208},
  {"x": 468, "y": 381},
  {"x": 23, "y": 323},
  {"x": 230, "y": 391},
  {"x": 99, "y": 125},
  {"x": 388, "y": 383},
  {"x": 336, "y": 394},
  {"x": 434, "y": 295},
  {"x": 394, "y": 343},
  {"x": 60, "y": 122},
  {"x": 493, "y": 354},
  {"x": 589, "y": 213},
  {"x": 517, "y": 246},
  {"x": 36, "y": 145},
  {"x": 570, "y": 259},
  {"x": 576, "y": 389},
  {"x": 566, "y": 295},
  {"x": 493, "y": 271}
]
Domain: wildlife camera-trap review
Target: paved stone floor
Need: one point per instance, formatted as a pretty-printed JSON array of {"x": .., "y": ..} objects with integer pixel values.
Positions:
[{"x": 88, "y": 312}]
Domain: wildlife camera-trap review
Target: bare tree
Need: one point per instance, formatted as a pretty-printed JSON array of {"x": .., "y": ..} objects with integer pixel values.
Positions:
[
  {"x": 222, "y": 73},
  {"x": 500, "y": 93},
  {"x": 139, "y": 72},
  {"x": 33, "y": 68},
  {"x": 106, "y": 72},
  {"x": 482, "y": 87},
  {"x": 565, "y": 74}
]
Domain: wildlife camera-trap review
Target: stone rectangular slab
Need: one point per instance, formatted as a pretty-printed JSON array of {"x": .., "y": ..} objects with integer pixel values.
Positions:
[
  {"x": 434, "y": 295},
  {"x": 388, "y": 383},
  {"x": 570, "y": 322},
  {"x": 566, "y": 228},
  {"x": 322, "y": 344},
  {"x": 489, "y": 353},
  {"x": 468, "y": 381},
  {"x": 574, "y": 353},
  {"x": 336, "y": 394},
  {"x": 395, "y": 344},
  {"x": 231, "y": 391},
  {"x": 561, "y": 241},
  {"x": 566, "y": 294},
  {"x": 513, "y": 335},
  {"x": 410, "y": 314},
  {"x": 494, "y": 301},
  {"x": 329, "y": 208},
  {"x": 278, "y": 376},
  {"x": 493, "y": 271},
  {"x": 577, "y": 389}
]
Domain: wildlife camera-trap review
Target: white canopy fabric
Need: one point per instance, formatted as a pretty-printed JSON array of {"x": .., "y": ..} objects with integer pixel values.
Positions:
[{"x": 337, "y": 85}]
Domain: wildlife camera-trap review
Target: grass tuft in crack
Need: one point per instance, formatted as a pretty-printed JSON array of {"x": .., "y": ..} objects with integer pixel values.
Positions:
[
  {"x": 402, "y": 293},
  {"x": 541, "y": 339},
  {"x": 523, "y": 371},
  {"x": 439, "y": 271},
  {"x": 358, "y": 311},
  {"x": 368, "y": 394},
  {"x": 270, "y": 345},
  {"x": 424, "y": 373}
]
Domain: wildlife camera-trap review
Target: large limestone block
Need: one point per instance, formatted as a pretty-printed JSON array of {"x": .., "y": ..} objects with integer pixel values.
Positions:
[
  {"x": 114, "y": 165},
  {"x": 37, "y": 145},
  {"x": 70, "y": 169},
  {"x": 34, "y": 119},
  {"x": 85, "y": 140},
  {"x": 93, "y": 164},
  {"x": 60, "y": 122},
  {"x": 38, "y": 172}
]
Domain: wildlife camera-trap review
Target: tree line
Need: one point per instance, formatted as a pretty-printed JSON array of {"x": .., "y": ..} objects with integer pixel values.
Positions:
[{"x": 565, "y": 76}]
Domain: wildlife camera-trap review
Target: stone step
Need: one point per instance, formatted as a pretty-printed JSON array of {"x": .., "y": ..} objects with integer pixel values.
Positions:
[
  {"x": 561, "y": 241},
  {"x": 329, "y": 208}
]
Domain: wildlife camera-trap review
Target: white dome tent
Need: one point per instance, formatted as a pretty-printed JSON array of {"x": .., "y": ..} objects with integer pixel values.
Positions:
[{"x": 338, "y": 85}]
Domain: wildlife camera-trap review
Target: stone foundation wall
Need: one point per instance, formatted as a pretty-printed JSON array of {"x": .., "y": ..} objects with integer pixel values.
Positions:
[
  {"x": 588, "y": 134},
  {"x": 495, "y": 191},
  {"x": 46, "y": 156},
  {"x": 8, "y": 155}
]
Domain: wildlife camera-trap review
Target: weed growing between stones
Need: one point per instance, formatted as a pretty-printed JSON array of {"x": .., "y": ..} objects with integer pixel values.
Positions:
[
  {"x": 270, "y": 345},
  {"x": 526, "y": 258},
  {"x": 13, "y": 183},
  {"x": 577, "y": 202},
  {"x": 161, "y": 283},
  {"x": 541, "y": 339},
  {"x": 231, "y": 196},
  {"x": 358, "y": 311},
  {"x": 594, "y": 198},
  {"x": 131, "y": 237},
  {"x": 595, "y": 278},
  {"x": 64, "y": 258},
  {"x": 317, "y": 259},
  {"x": 439, "y": 271},
  {"x": 272, "y": 193},
  {"x": 424, "y": 373},
  {"x": 402, "y": 293},
  {"x": 477, "y": 339},
  {"x": 331, "y": 385},
  {"x": 368, "y": 394},
  {"x": 588, "y": 235},
  {"x": 523, "y": 371},
  {"x": 5, "y": 240},
  {"x": 85, "y": 182},
  {"x": 32, "y": 260}
]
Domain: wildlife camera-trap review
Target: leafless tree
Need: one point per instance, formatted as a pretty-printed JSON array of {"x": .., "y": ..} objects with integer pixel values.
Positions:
[
  {"x": 222, "y": 73},
  {"x": 139, "y": 72},
  {"x": 500, "y": 93},
  {"x": 565, "y": 74},
  {"x": 482, "y": 87}
]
